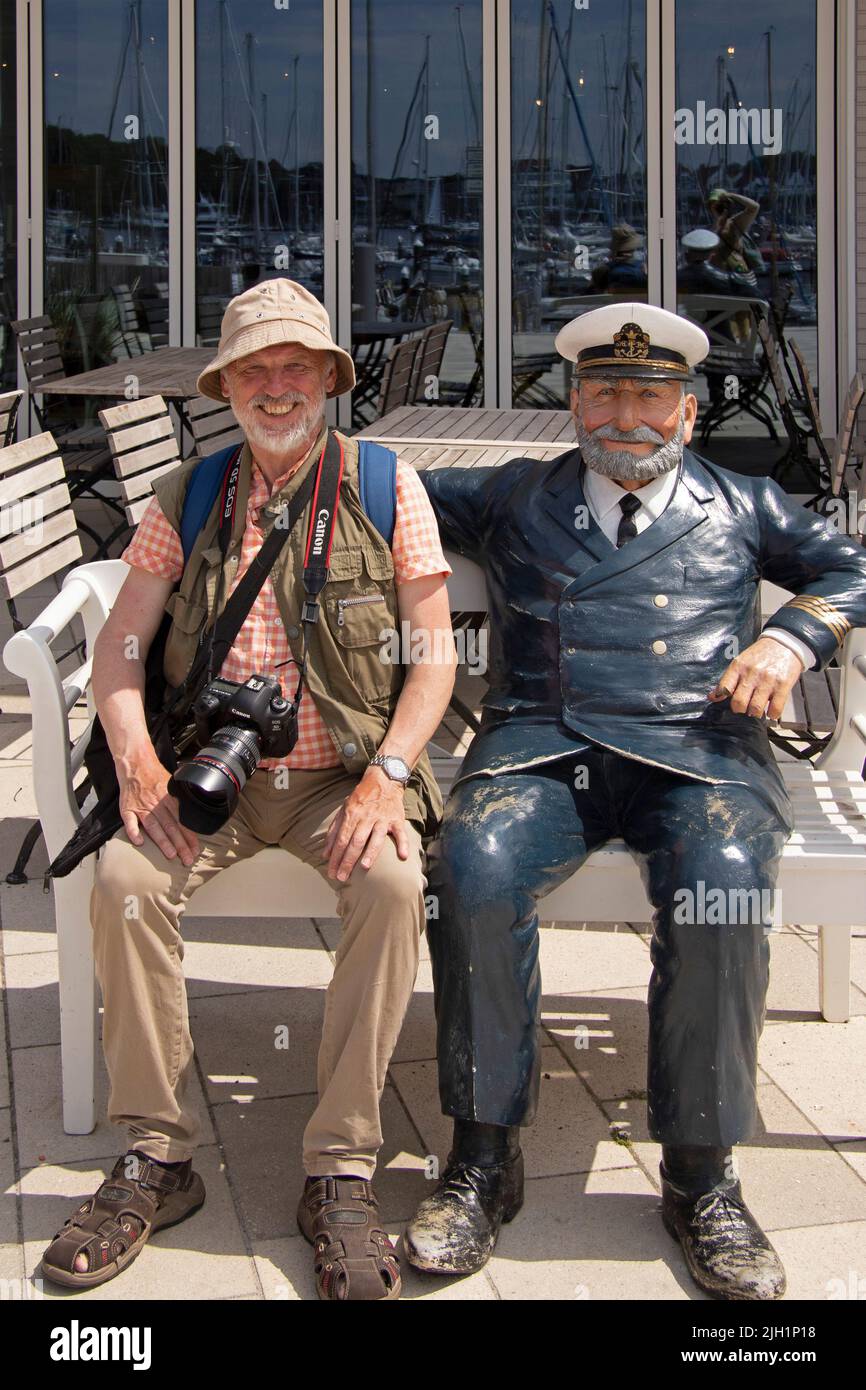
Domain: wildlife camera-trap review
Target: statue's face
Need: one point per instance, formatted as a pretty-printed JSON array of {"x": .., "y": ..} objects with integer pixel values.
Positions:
[{"x": 632, "y": 428}]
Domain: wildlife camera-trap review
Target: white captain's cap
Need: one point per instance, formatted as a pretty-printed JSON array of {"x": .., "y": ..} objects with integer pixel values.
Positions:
[
  {"x": 632, "y": 340},
  {"x": 701, "y": 239}
]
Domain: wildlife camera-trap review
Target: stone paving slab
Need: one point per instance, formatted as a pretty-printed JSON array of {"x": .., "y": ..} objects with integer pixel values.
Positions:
[
  {"x": 570, "y": 1135},
  {"x": 262, "y": 1143},
  {"x": 226, "y": 956},
  {"x": 790, "y": 1175},
  {"x": 591, "y": 956},
  {"x": 603, "y": 1036},
  {"x": 248, "y": 1061},
  {"x": 597, "y": 1236},
  {"x": 822, "y": 1068},
  {"x": 26, "y": 912},
  {"x": 823, "y": 1262},
  {"x": 33, "y": 999},
  {"x": 5, "y": 1093},
  {"x": 8, "y": 1214},
  {"x": 41, "y": 1137}
]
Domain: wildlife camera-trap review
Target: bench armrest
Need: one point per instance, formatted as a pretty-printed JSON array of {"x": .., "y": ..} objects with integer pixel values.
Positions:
[{"x": 88, "y": 591}]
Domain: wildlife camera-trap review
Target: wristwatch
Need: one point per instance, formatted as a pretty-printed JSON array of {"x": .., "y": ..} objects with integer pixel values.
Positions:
[{"x": 395, "y": 768}]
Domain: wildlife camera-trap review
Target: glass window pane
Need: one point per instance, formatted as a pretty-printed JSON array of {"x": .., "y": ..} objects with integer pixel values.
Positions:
[
  {"x": 8, "y": 196},
  {"x": 106, "y": 176},
  {"x": 417, "y": 192},
  {"x": 259, "y": 150},
  {"x": 746, "y": 213},
  {"x": 578, "y": 176}
]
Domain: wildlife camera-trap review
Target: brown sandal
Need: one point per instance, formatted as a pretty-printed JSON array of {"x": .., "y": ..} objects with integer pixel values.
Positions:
[
  {"x": 112, "y": 1227},
  {"x": 354, "y": 1259}
]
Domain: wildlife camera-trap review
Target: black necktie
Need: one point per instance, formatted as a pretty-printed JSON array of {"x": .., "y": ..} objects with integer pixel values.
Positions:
[{"x": 627, "y": 528}]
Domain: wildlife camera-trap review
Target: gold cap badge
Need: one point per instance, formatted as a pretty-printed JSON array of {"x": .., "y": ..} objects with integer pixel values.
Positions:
[{"x": 631, "y": 342}]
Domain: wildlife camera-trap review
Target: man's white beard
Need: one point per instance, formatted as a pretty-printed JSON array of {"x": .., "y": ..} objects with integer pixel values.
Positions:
[
  {"x": 623, "y": 466},
  {"x": 298, "y": 426}
]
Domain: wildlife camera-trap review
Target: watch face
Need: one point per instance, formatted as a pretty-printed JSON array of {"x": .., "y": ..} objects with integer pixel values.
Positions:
[{"x": 396, "y": 768}]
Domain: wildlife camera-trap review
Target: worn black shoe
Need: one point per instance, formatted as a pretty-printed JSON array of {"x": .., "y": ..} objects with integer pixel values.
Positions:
[
  {"x": 726, "y": 1251},
  {"x": 456, "y": 1228}
]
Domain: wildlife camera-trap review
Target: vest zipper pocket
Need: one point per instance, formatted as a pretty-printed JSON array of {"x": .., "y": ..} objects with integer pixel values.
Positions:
[{"x": 343, "y": 603}]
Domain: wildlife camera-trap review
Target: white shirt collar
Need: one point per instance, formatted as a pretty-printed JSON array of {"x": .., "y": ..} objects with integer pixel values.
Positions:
[{"x": 603, "y": 494}]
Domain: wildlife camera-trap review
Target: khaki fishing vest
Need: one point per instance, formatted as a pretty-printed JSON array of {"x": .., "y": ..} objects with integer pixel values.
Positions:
[{"x": 353, "y": 688}]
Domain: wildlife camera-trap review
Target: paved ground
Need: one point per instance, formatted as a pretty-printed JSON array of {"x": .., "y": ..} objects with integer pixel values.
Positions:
[{"x": 590, "y": 1227}]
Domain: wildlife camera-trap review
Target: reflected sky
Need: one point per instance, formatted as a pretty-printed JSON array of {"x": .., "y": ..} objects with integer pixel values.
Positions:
[
  {"x": 396, "y": 57},
  {"x": 277, "y": 38},
  {"x": 596, "y": 47},
  {"x": 705, "y": 34},
  {"x": 84, "y": 44}
]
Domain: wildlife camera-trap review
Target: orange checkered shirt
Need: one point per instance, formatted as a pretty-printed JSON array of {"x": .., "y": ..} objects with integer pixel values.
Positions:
[{"x": 262, "y": 645}]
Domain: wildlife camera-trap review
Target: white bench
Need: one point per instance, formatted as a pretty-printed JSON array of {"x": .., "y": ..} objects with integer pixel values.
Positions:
[{"x": 823, "y": 874}]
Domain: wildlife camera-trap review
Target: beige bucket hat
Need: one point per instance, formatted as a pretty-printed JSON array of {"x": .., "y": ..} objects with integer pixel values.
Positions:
[{"x": 274, "y": 312}]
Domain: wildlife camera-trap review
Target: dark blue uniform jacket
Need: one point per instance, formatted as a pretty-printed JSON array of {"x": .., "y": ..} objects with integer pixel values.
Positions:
[{"x": 621, "y": 647}]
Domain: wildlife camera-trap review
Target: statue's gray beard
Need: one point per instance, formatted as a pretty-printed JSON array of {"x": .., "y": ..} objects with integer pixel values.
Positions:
[{"x": 623, "y": 466}]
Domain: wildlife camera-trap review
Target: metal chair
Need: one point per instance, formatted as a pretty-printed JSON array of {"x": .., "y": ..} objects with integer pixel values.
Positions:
[
  {"x": 731, "y": 356},
  {"x": 143, "y": 446}
]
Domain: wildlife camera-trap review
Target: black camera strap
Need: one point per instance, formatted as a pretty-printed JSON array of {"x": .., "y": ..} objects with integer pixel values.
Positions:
[{"x": 323, "y": 485}]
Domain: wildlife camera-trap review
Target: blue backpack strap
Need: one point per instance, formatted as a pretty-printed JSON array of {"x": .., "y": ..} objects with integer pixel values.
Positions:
[
  {"x": 201, "y": 493},
  {"x": 377, "y": 477}
]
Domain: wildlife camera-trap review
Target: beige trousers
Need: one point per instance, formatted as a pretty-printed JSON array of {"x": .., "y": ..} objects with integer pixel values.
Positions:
[{"x": 138, "y": 899}]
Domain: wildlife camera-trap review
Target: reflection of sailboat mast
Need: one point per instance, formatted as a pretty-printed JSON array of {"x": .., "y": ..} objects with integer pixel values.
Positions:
[
  {"x": 469, "y": 88},
  {"x": 722, "y": 104},
  {"x": 398, "y": 157},
  {"x": 372, "y": 230},
  {"x": 224, "y": 181},
  {"x": 266, "y": 190},
  {"x": 543, "y": 88},
  {"x": 257, "y": 225},
  {"x": 774, "y": 238},
  {"x": 146, "y": 159},
  {"x": 295, "y": 117},
  {"x": 563, "y": 158},
  {"x": 626, "y": 161},
  {"x": 598, "y": 182},
  {"x": 423, "y": 143}
]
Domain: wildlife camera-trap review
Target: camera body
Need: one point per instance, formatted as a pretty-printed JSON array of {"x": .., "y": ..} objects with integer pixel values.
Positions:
[
  {"x": 257, "y": 705},
  {"x": 236, "y": 725}
]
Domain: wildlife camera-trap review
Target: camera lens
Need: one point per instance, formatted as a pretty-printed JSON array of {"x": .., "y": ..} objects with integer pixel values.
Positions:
[{"x": 208, "y": 784}]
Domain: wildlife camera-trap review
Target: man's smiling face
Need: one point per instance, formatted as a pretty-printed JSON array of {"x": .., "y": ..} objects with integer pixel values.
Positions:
[{"x": 278, "y": 394}]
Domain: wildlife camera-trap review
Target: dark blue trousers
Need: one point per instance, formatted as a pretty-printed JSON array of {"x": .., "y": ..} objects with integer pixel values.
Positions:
[{"x": 709, "y": 857}]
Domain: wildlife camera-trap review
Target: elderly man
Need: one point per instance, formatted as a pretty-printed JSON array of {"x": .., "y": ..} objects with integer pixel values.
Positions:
[
  {"x": 628, "y": 692},
  {"x": 354, "y": 797}
]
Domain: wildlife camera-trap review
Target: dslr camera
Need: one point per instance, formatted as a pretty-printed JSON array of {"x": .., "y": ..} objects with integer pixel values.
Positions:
[{"x": 235, "y": 727}]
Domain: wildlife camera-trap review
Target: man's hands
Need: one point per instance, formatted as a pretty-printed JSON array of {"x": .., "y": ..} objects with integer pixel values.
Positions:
[
  {"x": 372, "y": 812},
  {"x": 760, "y": 679},
  {"x": 145, "y": 805}
]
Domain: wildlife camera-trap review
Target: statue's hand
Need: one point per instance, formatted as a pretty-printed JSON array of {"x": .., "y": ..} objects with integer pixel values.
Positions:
[{"x": 760, "y": 679}]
